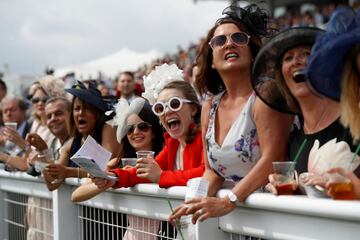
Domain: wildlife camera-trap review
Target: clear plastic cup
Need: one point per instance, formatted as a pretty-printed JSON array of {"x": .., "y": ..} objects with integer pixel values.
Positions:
[
  {"x": 145, "y": 154},
  {"x": 12, "y": 125},
  {"x": 284, "y": 178},
  {"x": 128, "y": 162},
  {"x": 340, "y": 187}
]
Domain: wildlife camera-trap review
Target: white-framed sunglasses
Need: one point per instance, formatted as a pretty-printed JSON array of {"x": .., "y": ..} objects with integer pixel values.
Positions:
[{"x": 174, "y": 104}]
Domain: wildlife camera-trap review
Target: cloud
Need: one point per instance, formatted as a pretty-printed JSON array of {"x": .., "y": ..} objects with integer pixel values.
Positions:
[{"x": 36, "y": 33}]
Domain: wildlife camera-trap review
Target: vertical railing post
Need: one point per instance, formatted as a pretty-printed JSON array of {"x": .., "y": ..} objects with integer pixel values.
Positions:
[
  {"x": 209, "y": 229},
  {"x": 3, "y": 229},
  {"x": 65, "y": 214}
]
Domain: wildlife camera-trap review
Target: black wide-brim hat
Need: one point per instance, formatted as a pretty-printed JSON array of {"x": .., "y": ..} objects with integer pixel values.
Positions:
[
  {"x": 268, "y": 61},
  {"x": 326, "y": 63},
  {"x": 89, "y": 95}
]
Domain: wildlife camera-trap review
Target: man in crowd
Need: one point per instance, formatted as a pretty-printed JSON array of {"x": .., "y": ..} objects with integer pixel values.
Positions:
[
  {"x": 125, "y": 86},
  {"x": 12, "y": 140}
]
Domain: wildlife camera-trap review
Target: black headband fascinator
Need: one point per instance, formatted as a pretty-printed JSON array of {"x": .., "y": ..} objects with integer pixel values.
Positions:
[{"x": 252, "y": 16}]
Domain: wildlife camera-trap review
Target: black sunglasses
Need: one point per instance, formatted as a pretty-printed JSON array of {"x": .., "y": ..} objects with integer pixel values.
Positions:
[
  {"x": 143, "y": 126},
  {"x": 237, "y": 38},
  {"x": 39, "y": 99}
]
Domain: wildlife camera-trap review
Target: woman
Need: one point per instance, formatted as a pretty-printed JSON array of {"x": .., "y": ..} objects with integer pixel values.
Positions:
[
  {"x": 138, "y": 130},
  {"x": 288, "y": 51},
  {"x": 241, "y": 142},
  {"x": 87, "y": 118},
  {"x": 338, "y": 51},
  {"x": 179, "y": 111},
  {"x": 137, "y": 134}
]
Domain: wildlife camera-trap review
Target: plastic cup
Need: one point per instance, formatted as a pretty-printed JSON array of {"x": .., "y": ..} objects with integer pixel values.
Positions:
[
  {"x": 340, "y": 187},
  {"x": 128, "y": 162},
  {"x": 145, "y": 154},
  {"x": 285, "y": 178},
  {"x": 12, "y": 125}
]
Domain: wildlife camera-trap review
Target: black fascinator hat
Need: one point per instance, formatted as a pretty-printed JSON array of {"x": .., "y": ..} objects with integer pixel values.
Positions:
[
  {"x": 267, "y": 65},
  {"x": 89, "y": 95}
]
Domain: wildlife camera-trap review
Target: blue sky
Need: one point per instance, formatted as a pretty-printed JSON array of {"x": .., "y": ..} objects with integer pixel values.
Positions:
[{"x": 37, "y": 33}]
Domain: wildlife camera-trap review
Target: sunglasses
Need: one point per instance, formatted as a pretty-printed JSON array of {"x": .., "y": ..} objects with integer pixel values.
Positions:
[
  {"x": 143, "y": 126},
  {"x": 237, "y": 38},
  {"x": 174, "y": 104},
  {"x": 39, "y": 99}
]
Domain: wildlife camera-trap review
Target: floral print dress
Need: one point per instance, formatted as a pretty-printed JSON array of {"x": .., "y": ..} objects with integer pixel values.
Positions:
[{"x": 240, "y": 149}]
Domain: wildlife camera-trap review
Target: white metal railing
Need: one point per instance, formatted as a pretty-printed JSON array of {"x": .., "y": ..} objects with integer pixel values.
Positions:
[{"x": 262, "y": 216}]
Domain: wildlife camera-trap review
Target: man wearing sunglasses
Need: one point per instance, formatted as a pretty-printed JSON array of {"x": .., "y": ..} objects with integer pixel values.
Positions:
[{"x": 14, "y": 110}]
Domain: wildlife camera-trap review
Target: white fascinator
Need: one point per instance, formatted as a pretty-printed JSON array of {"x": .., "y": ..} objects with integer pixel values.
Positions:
[
  {"x": 158, "y": 79},
  {"x": 123, "y": 110},
  {"x": 330, "y": 155}
]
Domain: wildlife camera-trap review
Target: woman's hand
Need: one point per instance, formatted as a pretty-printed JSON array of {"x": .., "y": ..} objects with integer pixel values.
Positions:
[
  {"x": 148, "y": 168},
  {"x": 203, "y": 208},
  {"x": 55, "y": 171},
  {"x": 103, "y": 183},
  {"x": 36, "y": 141}
]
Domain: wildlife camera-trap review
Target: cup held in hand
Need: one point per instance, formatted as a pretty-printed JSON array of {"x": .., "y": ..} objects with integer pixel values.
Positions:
[
  {"x": 145, "y": 154},
  {"x": 285, "y": 182},
  {"x": 128, "y": 162},
  {"x": 12, "y": 125},
  {"x": 340, "y": 187}
]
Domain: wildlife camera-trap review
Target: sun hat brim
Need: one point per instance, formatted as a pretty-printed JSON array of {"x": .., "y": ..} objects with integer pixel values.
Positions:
[
  {"x": 89, "y": 96},
  {"x": 326, "y": 64},
  {"x": 268, "y": 62}
]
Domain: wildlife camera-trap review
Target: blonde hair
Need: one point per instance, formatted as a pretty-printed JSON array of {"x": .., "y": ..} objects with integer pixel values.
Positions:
[{"x": 350, "y": 94}]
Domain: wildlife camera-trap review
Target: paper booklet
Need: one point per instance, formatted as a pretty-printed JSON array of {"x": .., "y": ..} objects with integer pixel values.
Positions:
[{"x": 92, "y": 157}]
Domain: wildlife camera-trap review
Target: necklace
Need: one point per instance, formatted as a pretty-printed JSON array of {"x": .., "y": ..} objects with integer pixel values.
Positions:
[{"x": 306, "y": 129}]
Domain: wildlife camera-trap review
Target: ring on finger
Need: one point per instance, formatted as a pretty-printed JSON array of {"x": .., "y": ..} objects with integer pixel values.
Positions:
[{"x": 200, "y": 211}]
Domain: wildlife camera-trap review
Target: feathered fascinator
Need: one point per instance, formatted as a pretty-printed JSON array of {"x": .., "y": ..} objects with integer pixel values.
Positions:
[
  {"x": 123, "y": 110},
  {"x": 330, "y": 155},
  {"x": 158, "y": 79},
  {"x": 252, "y": 16}
]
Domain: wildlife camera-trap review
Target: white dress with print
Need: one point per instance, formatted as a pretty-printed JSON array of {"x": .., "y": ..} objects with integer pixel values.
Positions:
[{"x": 240, "y": 149}]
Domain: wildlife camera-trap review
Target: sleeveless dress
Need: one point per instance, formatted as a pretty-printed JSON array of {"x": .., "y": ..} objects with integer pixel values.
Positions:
[{"x": 240, "y": 149}]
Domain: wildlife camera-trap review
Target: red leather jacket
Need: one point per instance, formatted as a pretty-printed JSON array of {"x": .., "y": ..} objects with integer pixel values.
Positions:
[{"x": 194, "y": 165}]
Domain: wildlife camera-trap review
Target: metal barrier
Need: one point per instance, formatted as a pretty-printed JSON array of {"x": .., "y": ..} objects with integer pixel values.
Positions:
[{"x": 141, "y": 210}]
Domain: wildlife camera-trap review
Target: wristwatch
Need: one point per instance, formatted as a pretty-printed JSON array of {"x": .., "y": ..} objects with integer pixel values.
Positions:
[{"x": 232, "y": 197}]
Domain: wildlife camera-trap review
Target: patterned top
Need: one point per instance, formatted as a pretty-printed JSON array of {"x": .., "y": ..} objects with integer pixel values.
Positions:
[{"x": 240, "y": 149}]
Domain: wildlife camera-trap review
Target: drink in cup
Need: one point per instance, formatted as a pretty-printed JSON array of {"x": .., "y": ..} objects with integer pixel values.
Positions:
[
  {"x": 340, "y": 187},
  {"x": 284, "y": 178}
]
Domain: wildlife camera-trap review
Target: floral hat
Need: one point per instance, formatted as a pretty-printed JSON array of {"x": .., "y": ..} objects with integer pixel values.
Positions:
[
  {"x": 268, "y": 62},
  {"x": 326, "y": 63},
  {"x": 158, "y": 79}
]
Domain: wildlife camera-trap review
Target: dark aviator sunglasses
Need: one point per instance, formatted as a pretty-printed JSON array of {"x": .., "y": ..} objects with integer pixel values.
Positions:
[{"x": 143, "y": 126}]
